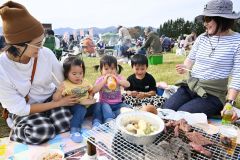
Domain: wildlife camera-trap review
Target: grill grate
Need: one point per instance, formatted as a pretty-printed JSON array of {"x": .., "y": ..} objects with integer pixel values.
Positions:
[{"x": 110, "y": 140}]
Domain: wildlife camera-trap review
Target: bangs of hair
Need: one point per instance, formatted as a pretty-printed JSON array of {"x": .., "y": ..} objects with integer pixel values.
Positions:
[
  {"x": 108, "y": 60},
  {"x": 139, "y": 59},
  {"x": 72, "y": 61}
]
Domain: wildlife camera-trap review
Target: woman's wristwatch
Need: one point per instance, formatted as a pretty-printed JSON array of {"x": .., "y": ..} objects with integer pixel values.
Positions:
[{"x": 232, "y": 102}]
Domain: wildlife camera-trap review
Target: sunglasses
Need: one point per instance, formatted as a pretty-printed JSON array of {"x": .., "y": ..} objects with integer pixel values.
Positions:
[{"x": 207, "y": 19}]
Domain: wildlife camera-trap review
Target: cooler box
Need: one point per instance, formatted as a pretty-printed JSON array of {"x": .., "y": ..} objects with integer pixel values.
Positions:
[{"x": 155, "y": 59}]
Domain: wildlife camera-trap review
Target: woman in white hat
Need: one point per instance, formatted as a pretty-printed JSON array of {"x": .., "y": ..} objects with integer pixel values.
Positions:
[{"x": 214, "y": 57}]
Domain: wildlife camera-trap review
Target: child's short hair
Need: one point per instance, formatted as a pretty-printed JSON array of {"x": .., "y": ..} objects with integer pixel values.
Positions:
[
  {"x": 109, "y": 60},
  {"x": 139, "y": 59},
  {"x": 72, "y": 61}
]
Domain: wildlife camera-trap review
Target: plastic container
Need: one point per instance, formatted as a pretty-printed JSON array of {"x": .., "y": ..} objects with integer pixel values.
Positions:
[
  {"x": 227, "y": 114},
  {"x": 231, "y": 133},
  {"x": 155, "y": 59},
  {"x": 111, "y": 83}
]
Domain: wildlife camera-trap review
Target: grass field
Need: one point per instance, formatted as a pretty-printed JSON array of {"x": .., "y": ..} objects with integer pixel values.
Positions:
[{"x": 163, "y": 72}]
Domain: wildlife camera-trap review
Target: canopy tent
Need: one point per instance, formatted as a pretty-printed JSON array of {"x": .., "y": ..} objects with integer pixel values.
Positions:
[{"x": 110, "y": 38}]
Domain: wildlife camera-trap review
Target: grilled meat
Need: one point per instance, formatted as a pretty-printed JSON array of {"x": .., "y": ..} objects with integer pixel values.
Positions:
[
  {"x": 197, "y": 138},
  {"x": 200, "y": 149}
]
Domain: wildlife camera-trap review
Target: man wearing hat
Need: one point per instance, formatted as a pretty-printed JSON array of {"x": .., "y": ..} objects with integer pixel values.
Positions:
[
  {"x": 28, "y": 77},
  {"x": 214, "y": 57}
]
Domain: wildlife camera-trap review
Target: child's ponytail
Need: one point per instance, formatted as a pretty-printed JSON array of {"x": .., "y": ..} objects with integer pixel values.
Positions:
[
  {"x": 96, "y": 67},
  {"x": 119, "y": 68}
]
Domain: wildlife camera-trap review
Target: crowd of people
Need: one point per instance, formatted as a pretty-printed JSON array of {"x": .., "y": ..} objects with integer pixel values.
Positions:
[
  {"x": 124, "y": 47},
  {"x": 44, "y": 98}
]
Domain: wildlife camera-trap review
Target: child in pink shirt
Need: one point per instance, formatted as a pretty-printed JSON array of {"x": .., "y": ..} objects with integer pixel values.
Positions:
[{"x": 110, "y": 98}]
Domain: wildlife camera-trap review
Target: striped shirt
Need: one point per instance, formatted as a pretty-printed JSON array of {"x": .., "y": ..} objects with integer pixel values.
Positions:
[{"x": 217, "y": 58}]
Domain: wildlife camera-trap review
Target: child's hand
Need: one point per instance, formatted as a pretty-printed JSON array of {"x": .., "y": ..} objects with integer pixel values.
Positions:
[
  {"x": 115, "y": 77},
  {"x": 90, "y": 96},
  {"x": 141, "y": 95},
  {"x": 106, "y": 77},
  {"x": 129, "y": 93},
  {"x": 134, "y": 93},
  {"x": 121, "y": 81}
]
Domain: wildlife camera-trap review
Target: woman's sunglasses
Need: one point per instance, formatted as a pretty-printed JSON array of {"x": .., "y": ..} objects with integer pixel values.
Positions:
[{"x": 207, "y": 19}]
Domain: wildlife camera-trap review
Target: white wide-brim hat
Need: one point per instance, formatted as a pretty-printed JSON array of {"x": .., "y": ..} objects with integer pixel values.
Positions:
[{"x": 219, "y": 8}]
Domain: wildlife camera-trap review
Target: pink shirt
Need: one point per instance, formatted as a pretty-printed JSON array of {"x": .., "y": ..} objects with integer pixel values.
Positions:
[{"x": 107, "y": 95}]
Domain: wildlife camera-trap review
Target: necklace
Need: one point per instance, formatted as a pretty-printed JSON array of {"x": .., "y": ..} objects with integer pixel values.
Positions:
[{"x": 213, "y": 48}]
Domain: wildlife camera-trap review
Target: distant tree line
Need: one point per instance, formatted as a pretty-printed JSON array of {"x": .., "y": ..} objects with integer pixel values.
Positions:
[
  {"x": 180, "y": 26},
  {"x": 176, "y": 28}
]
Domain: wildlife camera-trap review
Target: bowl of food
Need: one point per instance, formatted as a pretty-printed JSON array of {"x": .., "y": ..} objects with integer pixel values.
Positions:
[
  {"x": 51, "y": 154},
  {"x": 139, "y": 127}
]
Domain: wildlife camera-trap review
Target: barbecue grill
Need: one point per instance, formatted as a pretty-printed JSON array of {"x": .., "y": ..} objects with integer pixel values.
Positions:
[{"x": 110, "y": 140}]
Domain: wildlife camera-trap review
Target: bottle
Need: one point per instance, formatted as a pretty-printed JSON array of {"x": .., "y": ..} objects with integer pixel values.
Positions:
[
  {"x": 111, "y": 83},
  {"x": 227, "y": 114},
  {"x": 91, "y": 149}
]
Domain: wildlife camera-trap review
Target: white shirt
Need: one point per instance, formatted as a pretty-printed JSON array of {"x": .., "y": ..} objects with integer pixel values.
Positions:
[
  {"x": 220, "y": 64},
  {"x": 15, "y": 81}
]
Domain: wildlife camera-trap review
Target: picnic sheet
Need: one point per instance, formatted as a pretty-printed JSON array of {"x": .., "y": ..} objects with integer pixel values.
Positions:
[
  {"x": 18, "y": 151},
  {"x": 10, "y": 150}
]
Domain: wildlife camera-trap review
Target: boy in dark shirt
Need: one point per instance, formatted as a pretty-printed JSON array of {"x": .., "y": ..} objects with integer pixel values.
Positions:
[{"x": 142, "y": 90}]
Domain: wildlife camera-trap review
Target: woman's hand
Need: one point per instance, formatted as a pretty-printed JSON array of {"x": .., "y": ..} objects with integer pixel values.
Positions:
[
  {"x": 59, "y": 92},
  {"x": 234, "y": 116},
  {"x": 68, "y": 100},
  {"x": 181, "y": 68}
]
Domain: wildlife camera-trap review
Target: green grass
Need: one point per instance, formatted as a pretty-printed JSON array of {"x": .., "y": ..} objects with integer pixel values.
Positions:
[{"x": 163, "y": 72}]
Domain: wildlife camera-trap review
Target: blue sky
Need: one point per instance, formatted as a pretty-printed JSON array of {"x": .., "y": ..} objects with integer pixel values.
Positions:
[{"x": 103, "y": 13}]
